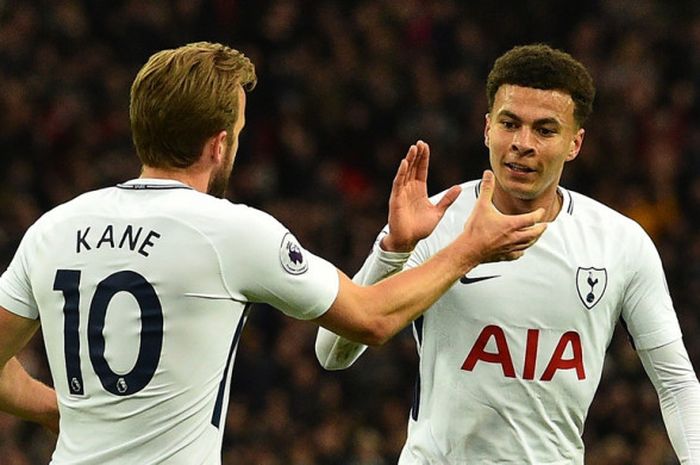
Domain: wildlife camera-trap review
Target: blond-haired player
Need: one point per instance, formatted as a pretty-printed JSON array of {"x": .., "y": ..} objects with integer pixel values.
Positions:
[{"x": 142, "y": 289}]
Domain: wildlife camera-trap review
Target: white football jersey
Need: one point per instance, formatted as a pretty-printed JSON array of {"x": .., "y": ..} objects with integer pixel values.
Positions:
[
  {"x": 512, "y": 354},
  {"x": 142, "y": 291}
]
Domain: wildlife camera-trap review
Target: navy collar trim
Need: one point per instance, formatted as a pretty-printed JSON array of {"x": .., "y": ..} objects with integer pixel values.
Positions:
[
  {"x": 567, "y": 198},
  {"x": 153, "y": 184}
]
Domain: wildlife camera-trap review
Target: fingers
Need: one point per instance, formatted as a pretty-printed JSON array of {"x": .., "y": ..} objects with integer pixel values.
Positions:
[
  {"x": 417, "y": 164},
  {"x": 509, "y": 257},
  {"x": 401, "y": 174},
  {"x": 411, "y": 160},
  {"x": 422, "y": 161},
  {"x": 530, "y": 234},
  {"x": 518, "y": 242},
  {"x": 525, "y": 238},
  {"x": 506, "y": 256},
  {"x": 406, "y": 170},
  {"x": 448, "y": 199},
  {"x": 526, "y": 221},
  {"x": 417, "y": 160}
]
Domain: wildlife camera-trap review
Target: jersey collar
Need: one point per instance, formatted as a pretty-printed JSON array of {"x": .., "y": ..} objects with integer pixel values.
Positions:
[
  {"x": 567, "y": 205},
  {"x": 153, "y": 184}
]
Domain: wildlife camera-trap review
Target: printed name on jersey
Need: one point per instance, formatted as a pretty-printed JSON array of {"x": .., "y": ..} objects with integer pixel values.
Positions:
[
  {"x": 116, "y": 237},
  {"x": 292, "y": 256},
  {"x": 591, "y": 284}
]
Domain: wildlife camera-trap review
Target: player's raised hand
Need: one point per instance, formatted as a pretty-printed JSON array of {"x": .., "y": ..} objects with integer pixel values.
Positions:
[
  {"x": 412, "y": 216},
  {"x": 501, "y": 237}
]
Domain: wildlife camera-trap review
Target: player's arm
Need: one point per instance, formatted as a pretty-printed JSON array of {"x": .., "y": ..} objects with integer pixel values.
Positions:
[
  {"x": 413, "y": 217},
  {"x": 652, "y": 323},
  {"x": 677, "y": 386},
  {"x": 20, "y": 394},
  {"x": 335, "y": 352},
  {"x": 373, "y": 314}
]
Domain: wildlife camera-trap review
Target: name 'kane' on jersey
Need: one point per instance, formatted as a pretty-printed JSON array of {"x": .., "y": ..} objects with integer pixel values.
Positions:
[{"x": 142, "y": 291}]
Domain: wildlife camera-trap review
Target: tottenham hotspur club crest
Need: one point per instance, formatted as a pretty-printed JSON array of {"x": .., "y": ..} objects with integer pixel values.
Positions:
[
  {"x": 292, "y": 256},
  {"x": 591, "y": 284}
]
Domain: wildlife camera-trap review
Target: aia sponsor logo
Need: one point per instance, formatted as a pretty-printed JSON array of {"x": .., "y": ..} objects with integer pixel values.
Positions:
[{"x": 567, "y": 355}]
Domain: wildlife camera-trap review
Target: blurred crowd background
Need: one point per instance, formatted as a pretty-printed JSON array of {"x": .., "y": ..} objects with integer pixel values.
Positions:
[{"x": 344, "y": 88}]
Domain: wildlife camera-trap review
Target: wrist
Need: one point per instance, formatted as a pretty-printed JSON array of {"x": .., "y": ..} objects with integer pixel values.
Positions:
[
  {"x": 46, "y": 407},
  {"x": 389, "y": 243},
  {"x": 463, "y": 255}
]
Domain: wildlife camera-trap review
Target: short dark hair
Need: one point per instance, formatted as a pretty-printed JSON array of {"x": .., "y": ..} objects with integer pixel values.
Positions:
[{"x": 540, "y": 66}]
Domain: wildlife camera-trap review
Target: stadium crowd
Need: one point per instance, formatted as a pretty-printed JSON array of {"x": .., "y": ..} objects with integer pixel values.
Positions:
[{"x": 344, "y": 88}]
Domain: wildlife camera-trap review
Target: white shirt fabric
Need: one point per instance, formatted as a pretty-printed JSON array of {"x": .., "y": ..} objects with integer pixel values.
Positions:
[
  {"x": 142, "y": 291},
  {"x": 511, "y": 355}
]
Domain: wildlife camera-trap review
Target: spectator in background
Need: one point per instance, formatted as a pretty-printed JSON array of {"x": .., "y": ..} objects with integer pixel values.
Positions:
[{"x": 340, "y": 69}]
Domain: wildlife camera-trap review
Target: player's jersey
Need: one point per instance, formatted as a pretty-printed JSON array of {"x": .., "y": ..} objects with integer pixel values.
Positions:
[
  {"x": 142, "y": 291},
  {"x": 511, "y": 355}
]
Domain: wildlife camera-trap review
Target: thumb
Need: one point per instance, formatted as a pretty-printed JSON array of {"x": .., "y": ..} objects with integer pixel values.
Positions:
[
  {"x": 448, "y": 199},
  {"x": 488, "y": 183}
]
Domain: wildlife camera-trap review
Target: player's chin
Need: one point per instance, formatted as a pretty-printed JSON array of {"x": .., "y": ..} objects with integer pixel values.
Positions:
[{"x": 521, "y": 190}]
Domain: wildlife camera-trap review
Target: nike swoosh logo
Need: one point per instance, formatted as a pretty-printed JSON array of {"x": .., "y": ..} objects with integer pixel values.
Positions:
[{"x": 468, "y": 280}]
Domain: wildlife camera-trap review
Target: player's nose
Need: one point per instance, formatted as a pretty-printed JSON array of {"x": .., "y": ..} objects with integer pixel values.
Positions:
[{"x": 523, "y": 141}]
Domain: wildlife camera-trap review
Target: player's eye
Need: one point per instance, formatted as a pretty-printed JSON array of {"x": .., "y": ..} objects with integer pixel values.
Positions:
[{"x": 546, "y": 132}]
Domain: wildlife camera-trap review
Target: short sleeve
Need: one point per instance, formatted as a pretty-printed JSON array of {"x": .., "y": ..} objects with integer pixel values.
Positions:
[
  {"x": 15, "y": 286},
  {"x": 647, "y": 307},
  {"x": 268, "y": 264}
]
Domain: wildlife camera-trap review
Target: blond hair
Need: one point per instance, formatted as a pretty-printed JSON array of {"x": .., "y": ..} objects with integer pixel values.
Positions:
[{"x": 183, "y": 96}]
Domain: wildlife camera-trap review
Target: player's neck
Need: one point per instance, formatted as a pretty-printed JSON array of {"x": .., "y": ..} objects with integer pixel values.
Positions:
[
  {"x": 196, "y": 179},
  {"x": 551, "y": 202}
]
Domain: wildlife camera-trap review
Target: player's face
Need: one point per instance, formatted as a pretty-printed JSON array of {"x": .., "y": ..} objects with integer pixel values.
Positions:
[
  {"x": 530, "y": 134},
  {"x": 219, "y": 179}
]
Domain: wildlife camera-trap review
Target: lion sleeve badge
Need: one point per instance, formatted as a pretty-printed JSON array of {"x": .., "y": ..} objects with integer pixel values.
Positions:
[{"x": 292, "y": 256}]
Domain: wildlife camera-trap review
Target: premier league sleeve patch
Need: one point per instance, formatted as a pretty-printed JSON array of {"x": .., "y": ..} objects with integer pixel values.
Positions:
[{"x": 292, "y": 256}]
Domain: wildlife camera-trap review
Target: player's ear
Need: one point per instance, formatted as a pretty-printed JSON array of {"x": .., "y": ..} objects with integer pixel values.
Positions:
[
  {"x": 575, "y": 145},
  {"x": 487, "y": 127},
  {"x": 217, "y": 146}
]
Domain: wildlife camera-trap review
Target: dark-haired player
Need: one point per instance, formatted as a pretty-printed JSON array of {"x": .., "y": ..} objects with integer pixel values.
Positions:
[{"x": 512, "y": 354}]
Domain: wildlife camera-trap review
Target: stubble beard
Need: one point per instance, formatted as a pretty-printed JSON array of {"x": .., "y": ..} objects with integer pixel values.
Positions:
[{"x": 218, "y": 183}]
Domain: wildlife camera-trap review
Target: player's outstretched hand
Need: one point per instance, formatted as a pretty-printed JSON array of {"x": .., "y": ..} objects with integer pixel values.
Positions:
[
  {"x": 496, "y": 236},
  {"x": 412, "y": 216}
]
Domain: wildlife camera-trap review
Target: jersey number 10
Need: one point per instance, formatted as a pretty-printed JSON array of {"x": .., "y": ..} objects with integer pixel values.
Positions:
[{"x": 151, "y": 343}]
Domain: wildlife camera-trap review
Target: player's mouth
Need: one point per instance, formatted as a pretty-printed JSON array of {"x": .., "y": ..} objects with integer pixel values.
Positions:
[{"x": 518, "y": 168}]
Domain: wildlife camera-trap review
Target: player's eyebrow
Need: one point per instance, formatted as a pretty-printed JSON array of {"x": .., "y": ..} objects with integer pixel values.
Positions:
[
  {"x": 508, "y": 114},
  {"x": 538, "y": 122}
]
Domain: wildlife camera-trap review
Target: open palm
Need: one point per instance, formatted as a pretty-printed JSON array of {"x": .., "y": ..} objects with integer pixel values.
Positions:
[{"x": 412, "y": 216}]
